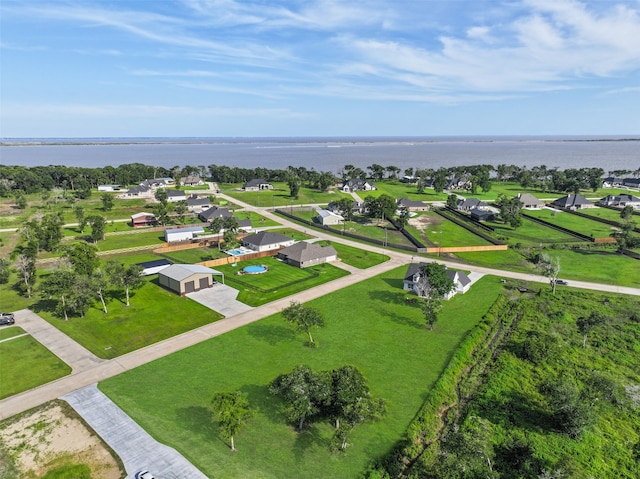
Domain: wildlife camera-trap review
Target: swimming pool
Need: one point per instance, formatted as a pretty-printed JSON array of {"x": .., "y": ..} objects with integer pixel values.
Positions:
[
  {"x": 239, "y": 251},
  {"x": 255, "y": 269}
]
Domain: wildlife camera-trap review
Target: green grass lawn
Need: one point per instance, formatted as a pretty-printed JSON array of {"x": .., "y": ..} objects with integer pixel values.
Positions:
[
  {"x": 604, "y": 213},
  {"x": 195, "y": 255},
  {"x": 368, "y": 325},
  {"x": 356, "y": 257},
  {"x": 575, "y": 223},
  {"x": 452, "y": 234},
  {"x": 281, "y": 280},
  {"x": 155, "y": 314},
  {"x": 10, "y": 331},
  {"x": 25, "y": 364},
  {"x": 403, "y": 190},
  {"x": 279, "y": 196},
  {"x": 530, "y": 233},
  {"x": 257, "y": 221}
]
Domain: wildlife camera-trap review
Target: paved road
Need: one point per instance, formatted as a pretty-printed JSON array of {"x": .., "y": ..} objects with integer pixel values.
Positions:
[{"x": 137, "y": 449}]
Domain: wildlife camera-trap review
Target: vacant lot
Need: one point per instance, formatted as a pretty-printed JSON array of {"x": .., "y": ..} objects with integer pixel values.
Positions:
[{"x": 369, "y": 325}]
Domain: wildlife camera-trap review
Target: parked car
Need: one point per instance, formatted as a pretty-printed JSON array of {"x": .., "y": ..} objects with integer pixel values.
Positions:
[
  {"x": 144, "y": 475},
  {"x": 7, "y": 318},
  {"x": 562, "y": 282}
]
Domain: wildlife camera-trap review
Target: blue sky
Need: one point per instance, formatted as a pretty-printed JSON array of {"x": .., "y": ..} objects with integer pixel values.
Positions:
[{"x": 99, "y": 68}]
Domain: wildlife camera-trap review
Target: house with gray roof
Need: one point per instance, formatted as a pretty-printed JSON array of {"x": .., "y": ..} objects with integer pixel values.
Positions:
[
  {"x": 356, "y": 184},
  {"x": 530, "y": 202},
  {"x": 572, "y": 202},
  {"x": 198, "y": 204},
  {"x": 620, "y": 201},
  {"x": 191, "y": 180},
  {"x": 461, "y": 282},
  {"x": 412, "y": 205},
  {"x": 257, "y": 184},
  {"x": 266, "y": 241},
  {"x": 303, "y": 254},
  {"x": 173, "y": 196},
  {"x": 468, "y": 204},
  {"x": 215, "y": 212},
  {"x": 187, "y": 278}
]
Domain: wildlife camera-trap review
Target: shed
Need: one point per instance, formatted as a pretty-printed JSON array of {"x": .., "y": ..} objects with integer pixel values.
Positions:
[
  {"x": 326, "y": 217},
  {"x": 182, "y": 234},
  {"x": 187, "y": 278},
  {"x": 143, "y": 219}
]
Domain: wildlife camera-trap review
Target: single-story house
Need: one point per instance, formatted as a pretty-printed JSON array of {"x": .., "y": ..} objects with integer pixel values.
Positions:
[
  {"x": 182, "y": 234},
  {"x": 412, "y": 205},
  {"x": 357, "y": 207},
  {"x": 409, "y": 179},
  {"x": 461, "y": 282},
  {"x": 620, "y": 201},
  {"x": 154, "y": 267},
  {"x": 266, "y": 240},
  {"x": 530, "y": 202},
  {"x": 244, "y": 225},
  {"x": 631, "y": 182},
  {"x": 257, "y": 184},
  {"x": 482, "y": 215},
  {"x": 187, "y": 278},
  {"x": 173, "y": 196},
  {"x": 161, "y": 182},
  {"x": 191, "y": 180},
  {"x": 303, "y": 254},
  {"x": 143, "y": 190},
  {"x": 143, "y": 219},
  {"x": 356, "y": 184},
  {"x": 215, "y": 212},
  {"x": 197, "y": 204},
  {"x": 468, "y": 204},
  {"x": 458, "y": 184},
  {"x": 572, "y": 202},
  {"x": 326, "y": 217},
  {"x": 108, "y": 187}
]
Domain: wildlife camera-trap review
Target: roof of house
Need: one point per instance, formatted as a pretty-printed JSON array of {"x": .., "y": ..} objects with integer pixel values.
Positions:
[
  {"x": 456, "y": 276},
  {"x": 529, "y": 199},
  {"x": 407, "y": 203},
  {"x": 191, "y": 229},
  {"x": 196, "y": 201},
  {"x": 626, "y": 198},
  {"x": 303, "y": 251},
  {"x": 480, "y": 213},
  {"x": 175, "y": 193},
  {"x": 470, "y": 203},
  {"x": 244, "y": 223},
  {"x": 255, "y": 182},
  {"x": 190, "y": 179},
  {"x": 266, "y": 237},
  {"x": 571, "y": 200},
  {"x": 142, "y": 215},
  {"x": 141, "y": 188},
  {"x": 215, "y": 212},
  {"x": 155, "y": 263},
  {"x": 180, "y": 272},
  {"x": 356, "y": 183}
]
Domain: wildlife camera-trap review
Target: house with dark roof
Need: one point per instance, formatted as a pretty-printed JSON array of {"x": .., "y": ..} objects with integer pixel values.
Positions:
[
  {"x": 187, "y": 278},
  {"x": 197, "y": 204},
  {"x": 326, "y": 217},
  {"x": 266, "y": 241},
  {"x": 143, "y": 219},
  {"x": 467, "y": 204},
  {"x": 631, "y": 182},
  {"x": 530, "y": 202},
  {"x": 173, "y": 196},
  {"x": 143, "y": 190},
  {"x": 612, "y": 182},
  {"x": 458, "y": 184},
  {"x": 356, "y": 184},
  {"x": 478, "y": 214},
  {"x": 572, "y": 202},
  {"x": 412, "y": 205},
  {"x": 215, "y": 212},
  {"x": 303, "y": 254},
  {"x": 461, "y": 282},
  {"x": 357, "y": 207},
  {"x": 620, "y": 201},
  {"x": 257, "y": 184}
]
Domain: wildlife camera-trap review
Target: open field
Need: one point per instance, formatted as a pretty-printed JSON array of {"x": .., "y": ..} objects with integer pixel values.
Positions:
[
  {"x": 369, "y": 325},
  {"x": 155, "y": 314},
  {"x": 279, "y": 196},
  {"x": 25, "y": 364},
  {"x": 574, "y": 223},
  {"x": 530, "y": 233},
  {"x": 281, "y": 280},
  {"x": 430, "y": 226},
  {"x": 356, "y": 257}
]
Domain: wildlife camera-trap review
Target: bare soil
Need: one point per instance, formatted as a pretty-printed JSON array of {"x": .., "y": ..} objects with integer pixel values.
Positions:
[{"x": 50, "y": 437}]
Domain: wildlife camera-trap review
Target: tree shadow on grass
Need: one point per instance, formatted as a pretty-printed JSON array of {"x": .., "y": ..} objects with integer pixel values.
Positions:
[
  {"x": 394, "y": 306},
  {"x": 273, "y": 334},
  {"x": 309, "y": 437},
  {"x": 199, "y": 420},
  {"x": 518, "y": 409},
  {"x": 43, "y": 305},
  {"x": 268, "y": 405}
]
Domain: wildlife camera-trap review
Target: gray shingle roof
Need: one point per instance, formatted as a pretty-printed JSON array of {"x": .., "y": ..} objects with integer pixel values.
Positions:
[
  {"x": 302, "y": 251},
  {"x": 266, "y": 237}
]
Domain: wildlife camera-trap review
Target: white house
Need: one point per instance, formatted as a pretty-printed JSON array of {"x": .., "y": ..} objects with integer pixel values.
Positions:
[
  {"x": 108, "y": 187},
  {"x": 173, "y": 196},
  {"x": 257, "y": 185},
  {"x": 461, "y": 282},
  {"x": 182, "y": 234}
]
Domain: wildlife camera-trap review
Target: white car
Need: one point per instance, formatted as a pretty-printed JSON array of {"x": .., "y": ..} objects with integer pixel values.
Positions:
[{"x": 144, "y": 475}]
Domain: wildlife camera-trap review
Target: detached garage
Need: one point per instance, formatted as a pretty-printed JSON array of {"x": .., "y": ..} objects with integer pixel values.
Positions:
[{"x": 187, "y": 278}]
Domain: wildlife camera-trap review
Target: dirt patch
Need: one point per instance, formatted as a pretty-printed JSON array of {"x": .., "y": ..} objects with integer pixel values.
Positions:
[
  {"x": 423, "y": 222},
  {"x": 53, "y": 436}
]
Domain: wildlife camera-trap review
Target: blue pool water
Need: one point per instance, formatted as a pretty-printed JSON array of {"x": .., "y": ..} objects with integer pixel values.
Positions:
[
  {"x": 254, "y": 269},
  {"x": 235, "y": 252}
]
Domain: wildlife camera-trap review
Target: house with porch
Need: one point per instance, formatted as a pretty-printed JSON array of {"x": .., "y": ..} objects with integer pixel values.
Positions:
[
  {"x": 266, "y": 241},
  {"x": 257, "y": 184},
  {"x": 530, "y": 202},
  {"x": 572, "y": 202},
  {"x": 356, "y": 184},
  {"x": 620, "y": 201},
  {"x": 412, "y": 205},
  {"x": 303, "y": 254},
  {"x": 461, "y": 282}
]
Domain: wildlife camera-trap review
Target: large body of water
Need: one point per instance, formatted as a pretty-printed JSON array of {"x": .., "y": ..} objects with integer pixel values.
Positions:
[{"x": 329, "y": 154}]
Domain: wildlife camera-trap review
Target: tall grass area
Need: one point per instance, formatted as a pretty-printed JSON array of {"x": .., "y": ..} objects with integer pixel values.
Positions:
[{"x": 368, "y": 325}]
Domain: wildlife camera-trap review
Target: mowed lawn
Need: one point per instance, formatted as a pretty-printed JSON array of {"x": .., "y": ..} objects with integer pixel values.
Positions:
[
  {"x": 155, "y": 314},
  {"x": 531, "y": 233},
  {"x": 25, "y": 364},
  {"x": 573, "y": 222},
  {"x": 281, "y": 280},
  {"x": 368, "y": 325}
]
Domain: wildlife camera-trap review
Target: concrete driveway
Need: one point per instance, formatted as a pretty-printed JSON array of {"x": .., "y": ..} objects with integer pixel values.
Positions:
[
  {"x": 137, "y": 449},
  {"x": 220, "y": 298}
]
